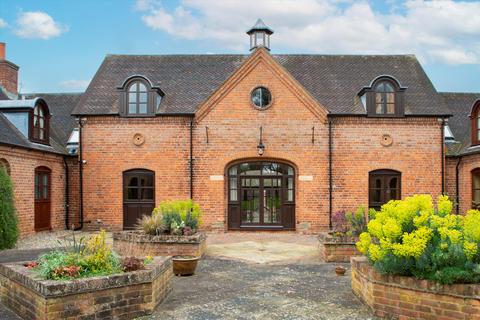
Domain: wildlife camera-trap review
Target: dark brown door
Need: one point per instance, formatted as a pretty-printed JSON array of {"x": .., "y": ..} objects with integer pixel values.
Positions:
[
  {"x": 42, "y": 198},
  {"x": 384, "y": 185},
  {"x": 138, "y": 196},
  {"x": 261, "y": 196}
]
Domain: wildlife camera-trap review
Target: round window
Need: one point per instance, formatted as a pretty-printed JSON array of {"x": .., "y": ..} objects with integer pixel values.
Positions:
[{"x": 261, "y": 97}]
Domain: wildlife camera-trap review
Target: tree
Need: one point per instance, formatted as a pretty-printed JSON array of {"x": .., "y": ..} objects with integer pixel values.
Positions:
[{"x": 8, "y": 216}]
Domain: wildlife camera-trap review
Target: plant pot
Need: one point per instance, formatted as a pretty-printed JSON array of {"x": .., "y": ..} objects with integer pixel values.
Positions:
[
  {"x": 340, "y": 271},
  {"x": 184, "y": 265}
]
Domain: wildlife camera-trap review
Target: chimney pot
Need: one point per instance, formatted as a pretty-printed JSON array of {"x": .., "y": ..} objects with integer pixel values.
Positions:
[{"x": 3, "y": 47}]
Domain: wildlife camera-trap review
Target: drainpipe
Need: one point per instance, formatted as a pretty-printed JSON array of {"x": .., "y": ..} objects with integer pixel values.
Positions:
[
  {"x": 330, "y": 172},
  {"x": 67, "y": 195},
  {"x": 191, "y": 159},
  {"x": 80, "y": 171},
  {"x": 442, "y": 132},
  {"x": 457, "y": 185}
]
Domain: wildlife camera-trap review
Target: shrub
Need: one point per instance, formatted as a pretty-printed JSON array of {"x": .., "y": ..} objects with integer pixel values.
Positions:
[
  {"x": 179, "y": 216},
  {"x": 153, "y": 224},
  {"x": 8, "y": 216},
  {"x": 411, "y": 237},
  {"x": 348, "y": 223}
]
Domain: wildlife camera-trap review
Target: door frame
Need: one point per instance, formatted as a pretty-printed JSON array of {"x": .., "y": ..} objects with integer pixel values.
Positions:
[
  {"x": 288, "y": 208},
  {"x": 383, "y": 173},
  {"x": 124, "y": 193},
  {"x": 43, "y": 170}
]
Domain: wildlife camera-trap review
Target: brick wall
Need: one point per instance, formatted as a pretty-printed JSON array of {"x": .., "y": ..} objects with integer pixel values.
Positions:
[
  {"x": 9, "y": 76},
  {"x": 109, "y": 151},
  {"x": 22, "y": 164},
  {"x": 467, "y": 164},
  {"x": 357, "y": 150},
  {"x": 410, "y": 298}
]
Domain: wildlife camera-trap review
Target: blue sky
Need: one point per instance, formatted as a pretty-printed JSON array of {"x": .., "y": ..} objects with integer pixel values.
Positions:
[{"x": 59, "y": 45}]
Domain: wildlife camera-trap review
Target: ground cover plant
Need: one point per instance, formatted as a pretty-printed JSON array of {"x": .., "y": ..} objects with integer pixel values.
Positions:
[
  {"x": 8, "y": 216},
  {"x": 177, "y": 217},
  {"x": 412, "y": 237},
  {"x": 92, "y": 258},
  {"x": 350, "y": 224}
]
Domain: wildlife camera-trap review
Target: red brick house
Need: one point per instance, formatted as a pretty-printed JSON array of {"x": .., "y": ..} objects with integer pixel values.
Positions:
[
  {"x": 262, "y": 141},
  {"x": 34, "y": 133}
]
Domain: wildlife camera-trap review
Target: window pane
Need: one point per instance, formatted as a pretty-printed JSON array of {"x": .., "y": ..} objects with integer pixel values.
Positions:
[
  {"x": 233, "y": 170},
  {"x": 476, "y": 181},
  {"x": 142, "y": 108},
  {"x": 388, "y": 87},
  {"x": 41, "y": 135},
  {"x": 234, "y": 195},
  {"x": 45, "y": 192},
  {"x": 147, "y": 194},
  {"x": 132, "y": 108},
  {"x": 133, "y": 87},
  {"x": 132, "y": 97},
  {"x": 378, "y": 183},
  {"x": 142, "y": 97},
  {"x": 478, "y": 134},
  {"x": 379, "y": 109},
  {"x": 41, "y": 122},
  {"x": 390, "y": 108},
  {"x": 233, "y": 183},
  {"x": 390, "y": 97},
  {"x": 290, "y": 195},
  {"x": 132, "y": 182},
  {"x": 35, "y": 111},
  {"x": 376, "y": 195},
  {"x": 132, "y": 193},
  {"x": 380, "y": 87},
  {"x": 476, "y": 196},
  {"x": 141, "y": 87},
  {"x": 35, "y": 121}
]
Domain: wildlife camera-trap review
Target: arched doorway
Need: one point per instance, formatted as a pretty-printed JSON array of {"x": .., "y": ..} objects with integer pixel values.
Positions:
[
  {"x": 261, "y": 195},
  {"x": 384, "y": 185},
  {"x": 43, "y": 188},
  {"x": 138, "y": 195}
]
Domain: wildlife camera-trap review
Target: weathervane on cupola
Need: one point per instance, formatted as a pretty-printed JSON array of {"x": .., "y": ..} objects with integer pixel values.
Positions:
[{"x": 259, "y": 35}]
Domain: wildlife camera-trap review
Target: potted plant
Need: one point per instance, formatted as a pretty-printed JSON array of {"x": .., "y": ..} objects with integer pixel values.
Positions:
[{"x": 184, "y": 265}]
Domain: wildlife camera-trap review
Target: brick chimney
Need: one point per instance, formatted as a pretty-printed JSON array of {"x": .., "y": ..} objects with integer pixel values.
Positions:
[{"x": 8, "y": 72}]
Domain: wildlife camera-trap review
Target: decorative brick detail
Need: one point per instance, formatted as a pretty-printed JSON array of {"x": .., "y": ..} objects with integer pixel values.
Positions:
[
  {"x": 337, "y": 249},
  {"x": 22, "y": 164},
  {"x": 131, "y": 243},
  {"x": 122, "y": 296},
  {"x": 409, "y": 298}
]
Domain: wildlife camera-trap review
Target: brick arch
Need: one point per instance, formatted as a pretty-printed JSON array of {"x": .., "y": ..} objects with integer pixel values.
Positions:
[{"x": 6, "y": 165}]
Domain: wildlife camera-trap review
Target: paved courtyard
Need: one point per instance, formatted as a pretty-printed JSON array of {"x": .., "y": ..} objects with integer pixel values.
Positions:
[{"x": 253, "y": 276}]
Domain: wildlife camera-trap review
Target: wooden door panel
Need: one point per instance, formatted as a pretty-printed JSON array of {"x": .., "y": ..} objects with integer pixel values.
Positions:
[
  {"x": 138, "y": 196},
  {"x": 42, "y": 205}
]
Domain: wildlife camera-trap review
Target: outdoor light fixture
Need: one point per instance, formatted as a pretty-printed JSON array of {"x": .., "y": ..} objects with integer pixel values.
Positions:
[{"x": 261, "y": 146}]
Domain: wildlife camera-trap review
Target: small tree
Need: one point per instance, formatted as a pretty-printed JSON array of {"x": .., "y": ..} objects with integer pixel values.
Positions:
[{"x": 8, "y": 216}]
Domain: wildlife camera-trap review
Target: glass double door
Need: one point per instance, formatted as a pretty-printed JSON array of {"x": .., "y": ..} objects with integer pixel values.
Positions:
[{"x": 261, "y": 201}]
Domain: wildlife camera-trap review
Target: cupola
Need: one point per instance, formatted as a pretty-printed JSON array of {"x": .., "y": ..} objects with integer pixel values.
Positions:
[{"x": 259, "y": 35}]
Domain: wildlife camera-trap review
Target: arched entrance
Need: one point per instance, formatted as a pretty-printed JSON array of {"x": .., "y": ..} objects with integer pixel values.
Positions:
[
  {"x": 138, "y": 196},
  {"x": 261, "y": 195},
  {"x": 42, "y": 199}
]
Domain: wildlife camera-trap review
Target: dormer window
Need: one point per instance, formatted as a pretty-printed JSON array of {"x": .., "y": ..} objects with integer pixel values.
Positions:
[
  {"x": 139, "y": 98},
  {"x": 384, "y": 98},
  {"x": 39, "y": 128},
  {"x": 475, "y": 120}
]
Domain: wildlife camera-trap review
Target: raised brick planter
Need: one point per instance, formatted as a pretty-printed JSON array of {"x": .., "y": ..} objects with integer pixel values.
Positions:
[
  {"x": 337, "y": 249},
  {"x": 136, "y": 243},
  {"x": 409, "y": 298},
  {"x": 120, "y": 296}
]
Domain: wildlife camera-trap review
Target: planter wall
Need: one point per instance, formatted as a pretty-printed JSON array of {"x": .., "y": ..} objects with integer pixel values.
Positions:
[
  {"x": 135, "y": 243},
  {"x": 409, "y": 298},
  {"x": 122, "y": 296},
  {"x": 338, "y": 249}
]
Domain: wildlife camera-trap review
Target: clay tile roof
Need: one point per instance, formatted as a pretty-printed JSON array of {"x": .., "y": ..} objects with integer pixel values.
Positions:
[
  {"x": 459, "y": 105},
  {"x": 188, "y": 80}
]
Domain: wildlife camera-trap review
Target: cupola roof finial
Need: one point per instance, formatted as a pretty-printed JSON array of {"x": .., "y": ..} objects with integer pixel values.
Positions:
[{"x": 259, "y": 35}]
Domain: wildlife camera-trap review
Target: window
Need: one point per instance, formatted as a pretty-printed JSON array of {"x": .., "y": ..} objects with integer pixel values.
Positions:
[
  {"x": 261, "y": 97},
  {"x": 40, "y": 124},
  {"x": 476, "y": 188},
  {"x": 139, "y": 98},
  {"x": 5, "y": 165},
  {"x": 384, "y": 98},
  {"x": 384, "y": 185},
  {"x": 475, "y": 118}
]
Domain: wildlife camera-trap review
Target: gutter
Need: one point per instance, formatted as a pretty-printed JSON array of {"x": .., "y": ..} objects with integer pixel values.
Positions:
[
  {"x": 191, "y": 159},
  {"x": 67, "y": 195},
  {"x": 330, "y": 172},
  {"x": 457, "y": 185},
  {"x": 80, "y": 171},
  {"x": 442, "y": 132}
]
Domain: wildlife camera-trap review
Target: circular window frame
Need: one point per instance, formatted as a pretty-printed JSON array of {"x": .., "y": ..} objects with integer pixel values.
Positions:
[{"x": 254, "y": 105}]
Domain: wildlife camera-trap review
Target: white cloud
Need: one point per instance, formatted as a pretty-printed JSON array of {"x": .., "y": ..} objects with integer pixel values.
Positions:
[
  {"x": 38, "y": 25},
  {"x": 3, "y": 23},
  {"x": 77, "y": 85},
  {"x": 436, "y": 31}
]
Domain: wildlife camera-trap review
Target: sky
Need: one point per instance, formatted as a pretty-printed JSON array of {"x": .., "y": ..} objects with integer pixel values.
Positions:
[{"x": 59, "y": 44}]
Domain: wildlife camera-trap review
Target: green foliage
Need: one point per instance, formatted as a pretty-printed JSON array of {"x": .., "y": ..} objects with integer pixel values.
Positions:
[
  {"x": 153, "y": 224},
  {"x": 179, "y": 215},
  {"x": 95, "y": 258},
  {"x": 411, "y": 237},
  {"x": 356, "y": 222},
  {"x": 8, "y": 216}
]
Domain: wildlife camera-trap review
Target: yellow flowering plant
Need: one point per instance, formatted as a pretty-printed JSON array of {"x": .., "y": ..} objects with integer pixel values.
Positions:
[{"x": 416, "y": 238}]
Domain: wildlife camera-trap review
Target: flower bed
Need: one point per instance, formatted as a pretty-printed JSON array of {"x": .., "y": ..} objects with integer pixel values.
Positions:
[
  {"x": 125, "y": 295},
  {"x": 337, "y": 249},
  {"x": 137, "y": 243},
  {"x": 394, "y": 296}
]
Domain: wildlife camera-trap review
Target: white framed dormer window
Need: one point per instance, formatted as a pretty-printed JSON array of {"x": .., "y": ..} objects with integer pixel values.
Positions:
[{"x": 138, "y": 98}]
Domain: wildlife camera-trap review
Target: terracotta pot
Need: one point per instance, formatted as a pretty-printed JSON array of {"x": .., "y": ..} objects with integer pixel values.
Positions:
[
  {"x": 340, "y": 271},
  {"x": 184, "y": 265}
]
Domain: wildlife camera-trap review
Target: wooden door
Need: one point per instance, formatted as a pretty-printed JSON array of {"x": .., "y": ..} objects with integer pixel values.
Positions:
[
  {"x": 138, "y": 196},
  {"x": 42, "y": 199},
  {"x": 384, "y": 185}
]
